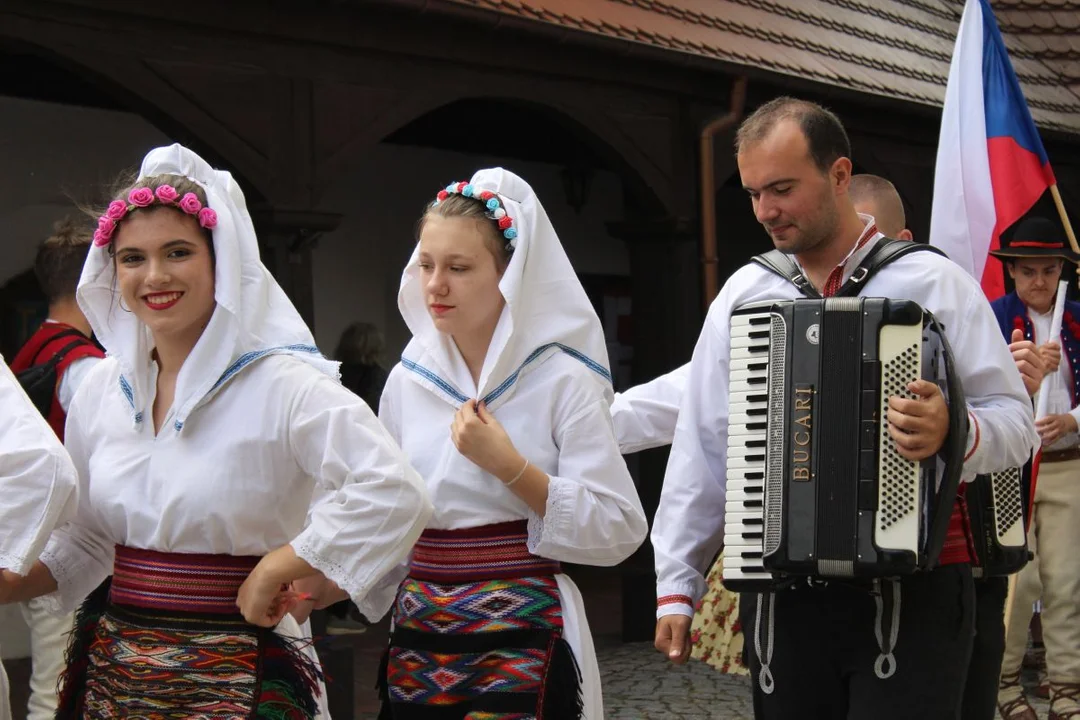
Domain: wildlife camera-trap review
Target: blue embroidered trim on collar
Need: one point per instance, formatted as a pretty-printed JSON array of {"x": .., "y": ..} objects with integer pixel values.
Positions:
[
  {"x": 434, "y": 379},
  {"x": 250, "y": 357},
  {"x": 506, "y": 384},
  {"x": 126, "y": 387},
  {"x": 241, "y": 362}
]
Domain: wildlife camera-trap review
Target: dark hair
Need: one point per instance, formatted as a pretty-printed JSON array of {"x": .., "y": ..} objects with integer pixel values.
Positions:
[
  {"x": 1011, "y": 261},
  {"x": 467, "y": 207},
  {"x": 60, "y": 259},
  {"x": 825, "y": 134},
  {"x": 182, "y": 185},
  {"x": 361, "y": 344}
]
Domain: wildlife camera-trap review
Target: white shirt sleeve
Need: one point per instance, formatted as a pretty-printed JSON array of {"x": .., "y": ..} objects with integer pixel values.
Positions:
[
  {"x": 79, "y": 554},
  {"x": 689, "y": 526},
  {"x": 1001, "y": 432},
  {"x": 1075, "y": 412},
  {"x": 645, "y": 415},
  {"x": 380, "y": 598},
  {"x": 593, "y": 515},
  {"x": 37, "y": 479},
  {"x": 72, "y": 378},
  {"x": 376, "y": 505}
]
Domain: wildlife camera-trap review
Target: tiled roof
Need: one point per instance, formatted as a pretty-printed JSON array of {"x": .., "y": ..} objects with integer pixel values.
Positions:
[{"x": 895, "y": 48}]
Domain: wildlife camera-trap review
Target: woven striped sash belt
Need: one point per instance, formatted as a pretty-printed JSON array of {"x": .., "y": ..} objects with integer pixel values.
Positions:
[{"x": 165, "y": 640}]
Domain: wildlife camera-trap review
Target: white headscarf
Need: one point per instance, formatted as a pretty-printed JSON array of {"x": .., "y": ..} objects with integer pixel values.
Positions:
[
  {"x": 547, "y": 310},
  {"x": 253, "y": 317}
]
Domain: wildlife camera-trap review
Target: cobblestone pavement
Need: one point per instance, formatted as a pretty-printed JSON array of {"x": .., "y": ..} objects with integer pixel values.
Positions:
[{"x": 639, "y": 684}]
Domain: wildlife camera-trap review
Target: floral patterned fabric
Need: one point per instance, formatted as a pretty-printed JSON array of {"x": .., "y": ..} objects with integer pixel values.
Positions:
[{"x": 716, "y": 634}]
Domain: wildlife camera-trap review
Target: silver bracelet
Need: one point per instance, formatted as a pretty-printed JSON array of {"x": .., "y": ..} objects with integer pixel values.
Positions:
[{"x": 518, "y": 476}]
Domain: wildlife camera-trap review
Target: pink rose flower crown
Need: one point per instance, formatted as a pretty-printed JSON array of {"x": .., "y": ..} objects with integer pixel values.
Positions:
[{"x": 141, "y": 197}]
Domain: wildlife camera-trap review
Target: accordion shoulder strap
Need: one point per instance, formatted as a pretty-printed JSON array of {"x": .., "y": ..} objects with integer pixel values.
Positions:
[
  {"x": 781, "y": 263},
  {"x": 952, "y": 453},
  {"x": 884, "y": 252}
]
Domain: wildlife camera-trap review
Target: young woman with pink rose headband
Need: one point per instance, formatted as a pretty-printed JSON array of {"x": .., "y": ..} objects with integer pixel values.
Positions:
[{"x": 219, "y": 461}]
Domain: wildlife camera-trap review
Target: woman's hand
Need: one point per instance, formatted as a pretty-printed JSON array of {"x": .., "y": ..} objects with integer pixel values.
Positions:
[
  {"x": 23, "y": 588},
  {"x": 262, "y": 601},
  {"x": 266, "y": 595},
  {"x": 479, "y": 437},
  {"x": 314, "y": 593},
  {"x": 8, "y": 581}
]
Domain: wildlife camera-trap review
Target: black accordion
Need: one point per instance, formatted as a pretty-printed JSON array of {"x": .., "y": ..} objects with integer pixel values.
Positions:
[
  {"x": 816, "y": 488},
  {"x": 997, "y": 508}
]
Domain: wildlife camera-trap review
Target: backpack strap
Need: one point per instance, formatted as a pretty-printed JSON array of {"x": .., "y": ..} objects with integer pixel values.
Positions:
[
  {"x": 62, "y": 352},
  {"x": 885, "y": 251},
  {"x": 70, "y": 332}
]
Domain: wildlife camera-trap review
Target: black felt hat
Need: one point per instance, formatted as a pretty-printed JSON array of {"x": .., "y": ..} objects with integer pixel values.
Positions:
[{"x": 1037, "y": 237}]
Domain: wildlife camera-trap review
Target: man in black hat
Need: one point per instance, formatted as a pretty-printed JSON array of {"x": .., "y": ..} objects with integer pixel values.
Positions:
[{"x": 1035, "y": 259}]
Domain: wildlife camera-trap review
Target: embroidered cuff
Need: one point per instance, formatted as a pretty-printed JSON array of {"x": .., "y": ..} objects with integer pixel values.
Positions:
[
  {"x": 677, "y": 598},
  {"x": 974, "y": 435},
  {"x": 304, "y": 547},
  {"x": 17, "y": 562},
  {"x": 673, "y": 599},
  {"x": 674, "y": 605},
  {"x": 59, "y": 602},
  {"x": 547, "y": 530}
]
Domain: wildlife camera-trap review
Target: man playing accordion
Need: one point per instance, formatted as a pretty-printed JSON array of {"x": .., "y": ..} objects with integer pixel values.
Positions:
[{"x": 882, "y": 648}]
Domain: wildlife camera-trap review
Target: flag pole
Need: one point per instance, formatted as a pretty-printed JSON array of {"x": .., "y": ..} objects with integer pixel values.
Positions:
[{"x": 1065, "y": 219}]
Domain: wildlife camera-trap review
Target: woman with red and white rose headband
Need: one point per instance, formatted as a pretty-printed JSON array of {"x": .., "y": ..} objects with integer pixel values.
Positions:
[
  {"x": 501, "y": 402},
  {"x": 200, "y": 442}
]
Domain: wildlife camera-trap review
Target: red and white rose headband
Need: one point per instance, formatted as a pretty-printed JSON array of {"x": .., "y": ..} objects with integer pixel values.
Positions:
[
  {"x": 492, "y": 202},
  {"x": 142, "y": 197}
]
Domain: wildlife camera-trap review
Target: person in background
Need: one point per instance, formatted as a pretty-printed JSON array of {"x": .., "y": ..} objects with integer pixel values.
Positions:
[
  {"x": 875, "y": 196},
  {"x": 58, "y": 265},
  {"x": 1036, "y": 258},
  {"x": 360, "y": 352}
]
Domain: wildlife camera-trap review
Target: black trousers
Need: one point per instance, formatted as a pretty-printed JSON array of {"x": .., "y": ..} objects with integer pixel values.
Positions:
[
  {"x": 825, "y": 649},
  {"x": 981, "y": 689}
]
